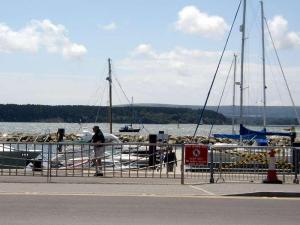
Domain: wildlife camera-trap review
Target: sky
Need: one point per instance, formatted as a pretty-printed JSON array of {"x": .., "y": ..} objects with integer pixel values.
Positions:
[{"x": 162, "y": 51}]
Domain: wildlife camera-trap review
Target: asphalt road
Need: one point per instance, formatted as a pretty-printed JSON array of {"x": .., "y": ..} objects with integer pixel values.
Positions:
[{"x": 82, "y": 209}]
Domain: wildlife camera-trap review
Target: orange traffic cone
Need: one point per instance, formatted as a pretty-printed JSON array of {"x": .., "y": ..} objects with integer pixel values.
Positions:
[{"x": 272, "y": 175}]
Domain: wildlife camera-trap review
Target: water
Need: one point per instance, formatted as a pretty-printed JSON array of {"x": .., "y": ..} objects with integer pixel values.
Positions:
[{"x": 172, "y": 129}]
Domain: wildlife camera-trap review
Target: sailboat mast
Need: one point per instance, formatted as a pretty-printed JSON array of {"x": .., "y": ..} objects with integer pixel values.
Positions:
[
  {"x": 263, "y": 62},
  {"x": 233, "y": 99},
  {"x": 131, "y": 111},
  {"x": 110, "y": 95},
  {"x": 242, "y": 29}
]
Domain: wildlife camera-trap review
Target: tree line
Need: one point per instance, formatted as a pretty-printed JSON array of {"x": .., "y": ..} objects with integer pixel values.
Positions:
[{"x": 121, "y": 114}]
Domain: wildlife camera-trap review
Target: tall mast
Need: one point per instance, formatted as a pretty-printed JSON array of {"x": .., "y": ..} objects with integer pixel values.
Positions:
[
  {"x": 263, "y": 63},
  {"x": 233, "y": 99},
  {"x": 242, "y": 29},
  {"x": 110, "y": 96},
  {"x": 131, "y": 111}
]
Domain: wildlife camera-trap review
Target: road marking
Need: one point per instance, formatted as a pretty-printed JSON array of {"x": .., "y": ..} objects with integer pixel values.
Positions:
[
  {"x": 146, "y": 195},
  {"x": 201, "y": 189}
]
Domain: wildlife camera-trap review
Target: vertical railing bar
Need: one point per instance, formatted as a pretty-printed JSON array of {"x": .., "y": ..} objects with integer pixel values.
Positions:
[
  {"x": 34, "y": 162},
  {"x": 175, "y": 161},
  {"x": 167, "y": 163},
  {"x": 211, "y": 180},
  {"x": 1, "y": 162},
  {"x": 137, "y": 161},
  {"x": 154, "y": 162},
  {"x": 129, "y": 158},
  {"x": 161, "y": 153},
  {"x": 296, "y": 160},
  {"x": 56, "y": 163},
  {"x": 81, "y": 155},
  {"x": 66, "y": 162},
  {"x": 49, "y": 163},
  {"x": 147, "y": 156},
  {"x": 73, "y": 161},
  {"x": 42, "y": 171},
  {"x": 112, "y": 157},
  {"x": 24, "y": 157},
  {"x": 121, "y": 153},
  {"x": 9, "y": 168},
  {"x": 89, "y": 159},
  {"x": 182, "y": 164},
  {"x": 103, "y": 161}
]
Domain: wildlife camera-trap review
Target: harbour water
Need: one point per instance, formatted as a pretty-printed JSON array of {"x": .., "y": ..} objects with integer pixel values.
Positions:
[{"x": 172, "y": 129}]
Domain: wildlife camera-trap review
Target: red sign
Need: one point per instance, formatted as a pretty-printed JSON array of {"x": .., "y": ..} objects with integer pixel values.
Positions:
[{"x": 196, "y": 154}]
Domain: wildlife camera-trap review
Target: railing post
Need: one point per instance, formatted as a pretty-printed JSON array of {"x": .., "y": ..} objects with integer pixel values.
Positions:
[
  {"x": 296, "y": 164},
  {"x": 49, "y": 163},
  {"x": 182, "y": 164},
  {"x": 211, "y": 165}
]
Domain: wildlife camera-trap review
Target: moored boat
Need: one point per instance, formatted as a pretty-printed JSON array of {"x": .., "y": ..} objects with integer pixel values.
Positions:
[{"x": 15, "y": 158}]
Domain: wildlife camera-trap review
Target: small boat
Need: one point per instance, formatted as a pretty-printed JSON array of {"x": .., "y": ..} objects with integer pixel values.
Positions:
[
  {"x": 14, "y": 158},
  {"x": 129, "y": 128}
]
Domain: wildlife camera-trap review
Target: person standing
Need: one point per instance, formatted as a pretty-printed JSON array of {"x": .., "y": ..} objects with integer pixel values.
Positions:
[
  {"x": 170, "y": 159},
  {"x": 99, "y": 149}
]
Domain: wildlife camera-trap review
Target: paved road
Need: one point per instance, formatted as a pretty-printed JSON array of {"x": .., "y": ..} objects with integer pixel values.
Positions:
[{"x": 75, "y": 209}]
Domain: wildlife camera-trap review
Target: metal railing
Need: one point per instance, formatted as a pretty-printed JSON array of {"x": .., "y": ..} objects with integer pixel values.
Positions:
[
  {"x": 143, "y": 160},
  {"x": 77, "y": 160},
  {"x": 245, "y": 164}
]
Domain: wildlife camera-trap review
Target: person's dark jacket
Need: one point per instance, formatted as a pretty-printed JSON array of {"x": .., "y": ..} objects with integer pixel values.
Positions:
[
  {"x": 98, "y": 137},
  {"x": 170, "y": 158}
]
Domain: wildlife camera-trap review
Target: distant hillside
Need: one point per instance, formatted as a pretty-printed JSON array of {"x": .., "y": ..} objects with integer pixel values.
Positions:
[
  {"x": 255, "y": 111},
  {"x": 250, "y": 111},
  {"x": 143, "y": 113},
  {"x": 276, "y": 115},
  {"x": 121, "y": 114}
]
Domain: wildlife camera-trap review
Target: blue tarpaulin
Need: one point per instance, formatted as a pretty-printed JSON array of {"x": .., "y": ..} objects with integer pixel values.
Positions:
[{"x": 247, "y": 134}]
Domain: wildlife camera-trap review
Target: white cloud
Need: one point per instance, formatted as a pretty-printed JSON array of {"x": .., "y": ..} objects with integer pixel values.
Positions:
[
  {"x": 27, "y": 39},
  {"x": 283, "y": 39},
  {"x": 110, "y": 27},
  {"x": 145, "y": 50},
  {"x": 73, "y": 50},
  {"x": 178, "y": 76},
  {"x": 38, "y": 34},
  {"x": 192, "y": 21},
  {"x": 183, "y": 76},
  {"x": 36, "y": 89}
]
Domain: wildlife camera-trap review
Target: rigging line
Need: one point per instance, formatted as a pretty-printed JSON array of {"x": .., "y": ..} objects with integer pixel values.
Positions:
[
  {"x": 215, "y": 75},
  {"x": 122, "y": 90},
  {"x": 92, "y": 101},
  {"x": 274, "y": 80},
  {"x": 255, "y": 12},
  {"x": 130, "y": 103},
  {"x": 212, "y": 125},
  {"x": 144, "y": 128},
  {"x": 99, "y": 107},
  {"x": 282, "y": 72},
  {"x": 100, "y": 86},
  {"x": 116, "y": 93},
  {"x": 118, "y": 82}
]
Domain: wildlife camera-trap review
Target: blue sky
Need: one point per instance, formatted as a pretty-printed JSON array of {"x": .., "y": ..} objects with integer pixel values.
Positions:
[{"x": 163, "y": 51}]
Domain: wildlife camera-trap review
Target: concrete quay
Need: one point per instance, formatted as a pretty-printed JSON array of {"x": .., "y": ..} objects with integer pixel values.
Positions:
[{"x": 154, "y": 187}]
